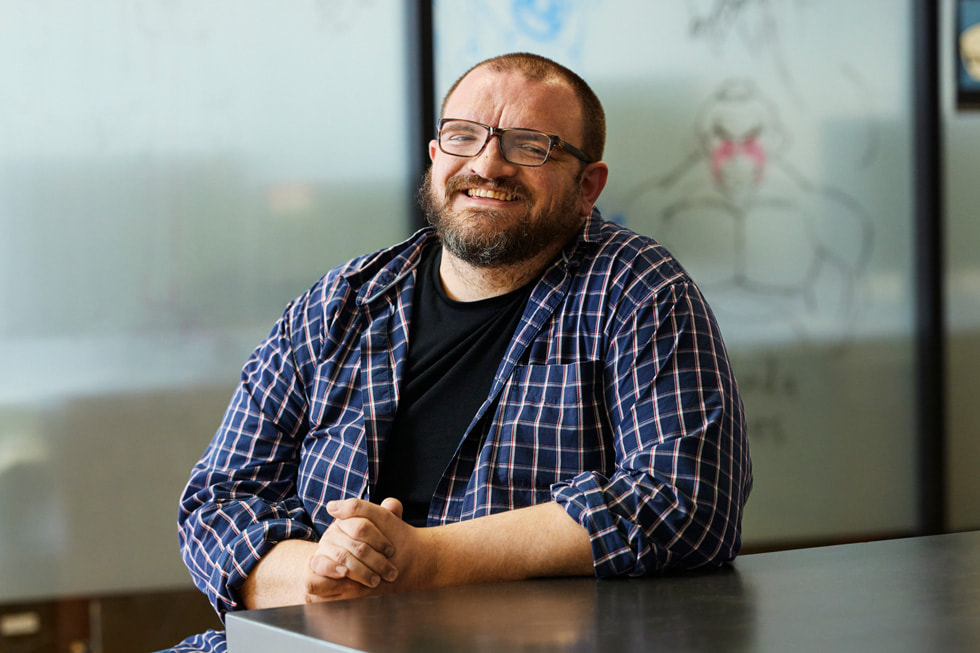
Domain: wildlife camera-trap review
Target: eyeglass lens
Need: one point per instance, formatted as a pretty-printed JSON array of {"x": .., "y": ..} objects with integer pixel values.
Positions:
[{"x": 520, "y": 146}]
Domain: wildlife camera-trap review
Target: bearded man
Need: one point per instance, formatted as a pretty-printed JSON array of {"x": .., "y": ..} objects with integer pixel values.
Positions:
[{"x": 521, "y": 389}]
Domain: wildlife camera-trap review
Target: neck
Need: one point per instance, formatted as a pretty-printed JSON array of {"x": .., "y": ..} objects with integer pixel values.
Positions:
[{"x": 465, "y": 282}]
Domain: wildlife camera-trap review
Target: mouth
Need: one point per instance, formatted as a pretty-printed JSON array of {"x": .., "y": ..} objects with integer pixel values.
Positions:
[{"x": 490, "y": 194}]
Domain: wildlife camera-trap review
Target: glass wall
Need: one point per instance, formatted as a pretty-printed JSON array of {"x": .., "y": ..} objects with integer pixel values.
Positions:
[
  {"x": 769, "y": 146},
  {"x": 172, "y": 173}
]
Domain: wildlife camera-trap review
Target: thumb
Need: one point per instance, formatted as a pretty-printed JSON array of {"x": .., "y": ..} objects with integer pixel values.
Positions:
[{"x": 393, "y": 505}]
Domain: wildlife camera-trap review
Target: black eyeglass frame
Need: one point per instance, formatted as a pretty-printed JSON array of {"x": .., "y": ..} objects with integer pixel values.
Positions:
[{"x": 553, "y": 142}]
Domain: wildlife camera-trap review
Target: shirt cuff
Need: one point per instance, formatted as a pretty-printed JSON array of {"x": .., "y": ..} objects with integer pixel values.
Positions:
[
  {"x": 243, "y": 554},
  {"x": 583, "y": 499}
]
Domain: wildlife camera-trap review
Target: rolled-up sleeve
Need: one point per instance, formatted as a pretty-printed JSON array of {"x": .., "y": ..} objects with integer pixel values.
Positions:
[
  {"x": 241, "y": 498},
  {"x": 682, "y": 469}
]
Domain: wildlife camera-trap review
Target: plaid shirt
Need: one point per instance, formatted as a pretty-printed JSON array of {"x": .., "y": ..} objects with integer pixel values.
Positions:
[{"x": 615, "y": 399}]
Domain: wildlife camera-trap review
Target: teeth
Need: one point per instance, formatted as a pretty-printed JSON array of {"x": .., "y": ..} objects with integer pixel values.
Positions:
[{"x": 492, "y": 194}]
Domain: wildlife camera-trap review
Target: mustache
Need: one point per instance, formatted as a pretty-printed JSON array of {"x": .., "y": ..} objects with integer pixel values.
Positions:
[{"x": 462, "y": 182}]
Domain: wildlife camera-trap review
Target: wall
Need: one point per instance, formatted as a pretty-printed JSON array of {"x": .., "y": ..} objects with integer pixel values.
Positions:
[
  {"x": 171, "y": 175},
  {"x": 769, "y": 146}
]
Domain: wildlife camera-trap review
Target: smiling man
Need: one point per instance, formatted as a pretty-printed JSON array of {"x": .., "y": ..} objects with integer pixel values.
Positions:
[{"x": 520, "y": 390}]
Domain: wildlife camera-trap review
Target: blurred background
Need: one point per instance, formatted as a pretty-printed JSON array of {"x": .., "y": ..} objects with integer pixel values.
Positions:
[{"x": 173, "y": 172}]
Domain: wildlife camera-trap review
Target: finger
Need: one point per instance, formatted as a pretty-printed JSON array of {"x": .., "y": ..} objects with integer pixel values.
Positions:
[
  {"x": 336, "y": 562},
  {"x": 347, "y": 508},
  {"x": 370, "y": 557},
  {"x": 386, "y": 522},
  {"x": 394, "y": 506},
  {"x": 351, "y": 508},
  {"x": 319, "y": 588},
  {"x": 363, "y": 538},
  {"x": 323, "y": 565},
  {"x": 350, "y": 546}
]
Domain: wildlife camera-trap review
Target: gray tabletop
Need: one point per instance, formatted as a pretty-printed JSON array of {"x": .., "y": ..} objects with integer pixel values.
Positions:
[{"x": 916, "y": 594}]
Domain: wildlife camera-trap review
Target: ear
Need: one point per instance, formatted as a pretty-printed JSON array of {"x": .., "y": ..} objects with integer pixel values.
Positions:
[
  {"x": 433, "y": 146},
  {"x": 593, "y": 181}
]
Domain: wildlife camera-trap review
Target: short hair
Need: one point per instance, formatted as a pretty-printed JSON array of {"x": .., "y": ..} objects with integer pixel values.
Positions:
[{"x": 537, "y": 68}]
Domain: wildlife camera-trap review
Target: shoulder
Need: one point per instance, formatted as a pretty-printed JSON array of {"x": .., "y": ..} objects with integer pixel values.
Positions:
[
  {"x": 612, "y": 254},
  {"x": 636, "y": 284}
]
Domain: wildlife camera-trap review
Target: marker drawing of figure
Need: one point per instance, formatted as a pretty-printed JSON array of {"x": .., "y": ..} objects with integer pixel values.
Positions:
[{"x": 779, "y": 256}]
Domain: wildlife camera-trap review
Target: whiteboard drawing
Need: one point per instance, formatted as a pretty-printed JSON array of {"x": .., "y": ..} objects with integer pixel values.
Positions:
[
  {"x": 776, "y": 37},
  {"x": 753, "y": 22},
  {"x": 755, "y": 25},
  {"x": 541, "y": 21},
  {"x": 778, "y": 255},
  {"x": 556, "y": 28}
]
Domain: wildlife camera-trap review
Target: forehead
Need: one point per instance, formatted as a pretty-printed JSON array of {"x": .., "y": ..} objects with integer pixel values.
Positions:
[{"x": 509, "y": 99}]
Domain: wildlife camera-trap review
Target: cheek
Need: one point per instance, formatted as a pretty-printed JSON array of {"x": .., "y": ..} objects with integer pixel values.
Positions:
[
  {"x": 437, "y": 185},
  {"x": 442, "y": 171},
  {"x": 557, "y": 193}
]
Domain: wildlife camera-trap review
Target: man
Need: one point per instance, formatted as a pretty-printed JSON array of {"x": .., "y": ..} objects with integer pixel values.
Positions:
[{"x": 522, "y": 390}]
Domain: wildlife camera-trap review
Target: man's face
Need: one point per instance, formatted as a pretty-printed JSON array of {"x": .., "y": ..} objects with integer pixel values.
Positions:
[{"x": 488, "y": 211}]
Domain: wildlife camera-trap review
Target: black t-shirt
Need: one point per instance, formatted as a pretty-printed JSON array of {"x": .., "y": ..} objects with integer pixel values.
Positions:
[{"x": 454, "y": 351}]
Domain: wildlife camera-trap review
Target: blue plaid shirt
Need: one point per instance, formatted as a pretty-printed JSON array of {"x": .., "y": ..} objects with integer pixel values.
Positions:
[{"x": 615, "y": 398}]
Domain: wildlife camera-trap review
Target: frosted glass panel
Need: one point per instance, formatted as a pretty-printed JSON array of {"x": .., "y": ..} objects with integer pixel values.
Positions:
[
  {"x": 768, "y": 145},
  {"x": 171, "y": 174}
]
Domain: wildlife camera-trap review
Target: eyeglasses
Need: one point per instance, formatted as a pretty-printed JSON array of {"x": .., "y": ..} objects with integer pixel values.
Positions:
[{"x": 524, "y": 147}]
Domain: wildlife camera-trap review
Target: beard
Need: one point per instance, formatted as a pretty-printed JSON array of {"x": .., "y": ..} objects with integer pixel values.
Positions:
[{"x": 488, "y": 238}]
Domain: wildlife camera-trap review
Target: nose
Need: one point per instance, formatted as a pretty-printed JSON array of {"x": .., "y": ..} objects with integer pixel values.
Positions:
[{"x": 490, "y": 163}]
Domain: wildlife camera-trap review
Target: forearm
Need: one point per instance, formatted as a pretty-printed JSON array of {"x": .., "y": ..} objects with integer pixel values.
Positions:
[
  {"x": 284, "y": 576},
  {"x": 537, "y": 541},
  {"x": 274, "y": 580}
]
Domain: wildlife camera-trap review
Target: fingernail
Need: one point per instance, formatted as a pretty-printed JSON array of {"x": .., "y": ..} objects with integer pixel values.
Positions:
[
  {"x": 391, "y": 575},
  {"x": 374, "y": 581}
]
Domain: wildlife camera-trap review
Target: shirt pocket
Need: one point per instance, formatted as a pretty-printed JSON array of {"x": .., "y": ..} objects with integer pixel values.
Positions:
[{"x": 550, "y": 426}]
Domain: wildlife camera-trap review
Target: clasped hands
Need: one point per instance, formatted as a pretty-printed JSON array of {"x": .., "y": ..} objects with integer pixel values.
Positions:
[
  {"x": 365, "y": 543},
  {"x": 367, "y": 549}
]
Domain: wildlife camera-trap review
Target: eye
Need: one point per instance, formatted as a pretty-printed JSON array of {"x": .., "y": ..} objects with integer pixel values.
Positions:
[
  {"x": 532, "y": 144},
  {"x": 461, "y": 133},
  {"x": 532, "y": 148},
  {"x": 458, "y": 137}
]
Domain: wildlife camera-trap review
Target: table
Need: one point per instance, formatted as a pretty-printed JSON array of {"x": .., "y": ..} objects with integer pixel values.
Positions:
[{"x": 914, "y": 594}]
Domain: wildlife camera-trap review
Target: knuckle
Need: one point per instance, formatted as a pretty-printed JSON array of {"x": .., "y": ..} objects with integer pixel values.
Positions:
[
  {"x": 359, "y": 528},
  {"x": 332, "y": 530},
  {"x": 350, "y": 505},
  {"x": 360, "y": 549}
]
